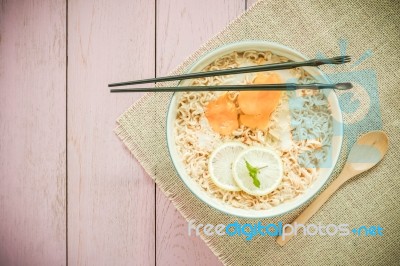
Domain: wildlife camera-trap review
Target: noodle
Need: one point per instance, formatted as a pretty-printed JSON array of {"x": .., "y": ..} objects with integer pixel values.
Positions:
[{"x": 308, "y": 122}]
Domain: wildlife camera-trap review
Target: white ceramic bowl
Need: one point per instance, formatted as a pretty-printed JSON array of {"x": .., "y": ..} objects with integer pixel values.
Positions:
[{"x": 324, "y": 173}]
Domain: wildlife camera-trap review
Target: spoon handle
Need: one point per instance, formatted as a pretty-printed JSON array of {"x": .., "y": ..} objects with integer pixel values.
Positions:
[{"x": 345, "y": 175}]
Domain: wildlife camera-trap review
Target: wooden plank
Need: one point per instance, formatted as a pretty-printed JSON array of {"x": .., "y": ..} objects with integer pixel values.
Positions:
[
  {"x": 32, "y": 132},
  {"x": 250, "y": 3},
  {"x": 111, "y": 219},
  {"x": 182, "y": 27}
]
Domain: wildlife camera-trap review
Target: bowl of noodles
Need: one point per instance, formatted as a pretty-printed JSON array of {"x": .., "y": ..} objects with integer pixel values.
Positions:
[{"x": 254, "y": 154}]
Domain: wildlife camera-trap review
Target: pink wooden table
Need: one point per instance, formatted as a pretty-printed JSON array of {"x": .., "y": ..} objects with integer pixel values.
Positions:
[{"x": 70, "y": 192}]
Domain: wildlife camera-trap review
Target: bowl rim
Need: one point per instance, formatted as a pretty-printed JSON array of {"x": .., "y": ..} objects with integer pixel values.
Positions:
[{"x": 300, "y": 202}]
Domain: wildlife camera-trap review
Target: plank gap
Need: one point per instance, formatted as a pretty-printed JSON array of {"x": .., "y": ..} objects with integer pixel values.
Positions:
[
  {"x": 66, "y": 132},
  {"x": 155, "y": 185}
]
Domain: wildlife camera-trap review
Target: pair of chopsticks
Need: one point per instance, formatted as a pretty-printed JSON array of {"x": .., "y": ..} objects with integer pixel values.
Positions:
[{"x": 240, "y": 70}]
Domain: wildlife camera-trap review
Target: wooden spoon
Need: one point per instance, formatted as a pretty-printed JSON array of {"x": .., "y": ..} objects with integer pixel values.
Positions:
[{"x": 366, "y": 153}]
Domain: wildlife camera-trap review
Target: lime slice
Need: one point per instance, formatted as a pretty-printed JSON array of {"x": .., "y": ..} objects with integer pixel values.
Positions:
[
  {"x": 268, "y": 164},
  {"x": 220, "y": 165}
]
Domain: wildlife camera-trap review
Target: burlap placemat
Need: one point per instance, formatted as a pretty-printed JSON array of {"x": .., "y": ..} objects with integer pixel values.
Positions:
[{"x": 311, "y": 27}]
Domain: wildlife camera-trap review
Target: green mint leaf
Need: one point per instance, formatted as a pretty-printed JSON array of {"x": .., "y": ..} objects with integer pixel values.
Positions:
[
  {"x": 256, "y": 182},
  {"x": 253, "y": 172}
]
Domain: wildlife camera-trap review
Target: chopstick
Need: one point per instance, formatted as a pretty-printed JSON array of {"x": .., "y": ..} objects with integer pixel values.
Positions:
[
  {"x": 252, "y": 87},
  {"x": 240, "y": 70}
]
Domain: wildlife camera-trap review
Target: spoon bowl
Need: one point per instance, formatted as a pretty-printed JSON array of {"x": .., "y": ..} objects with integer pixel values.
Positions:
[{"x": 368, "y": 151}]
